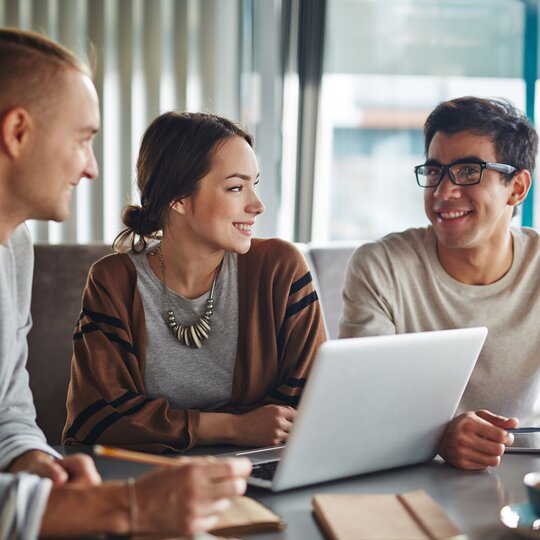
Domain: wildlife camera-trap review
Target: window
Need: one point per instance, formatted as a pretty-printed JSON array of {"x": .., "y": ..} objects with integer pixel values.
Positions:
[{"x": 387, "y": 64}]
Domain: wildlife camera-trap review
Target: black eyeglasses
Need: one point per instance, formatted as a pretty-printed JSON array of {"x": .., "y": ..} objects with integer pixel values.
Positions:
[{"x": 460, "y": 173}]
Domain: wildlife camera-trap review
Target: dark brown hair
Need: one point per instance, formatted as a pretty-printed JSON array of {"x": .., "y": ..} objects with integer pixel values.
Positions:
[
  {"x": 514, "y": 137},
  {"x": 176, "y": 152}
]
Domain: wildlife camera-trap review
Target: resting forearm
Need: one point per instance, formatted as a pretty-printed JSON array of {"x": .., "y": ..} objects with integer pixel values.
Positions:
[
  {"x": 82, "y": 510},
  {"x": 215, "y": 428}
]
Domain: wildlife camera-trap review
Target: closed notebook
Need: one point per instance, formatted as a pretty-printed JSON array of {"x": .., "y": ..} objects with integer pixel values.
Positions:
[
  {"x": 244, "y": 516},
  {"x": 247, "y": 516},
  {"x": 407, "y": 516}
]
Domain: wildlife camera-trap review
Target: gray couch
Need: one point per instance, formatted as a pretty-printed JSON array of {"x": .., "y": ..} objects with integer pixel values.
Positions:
[{"x": 59, "y": 277}]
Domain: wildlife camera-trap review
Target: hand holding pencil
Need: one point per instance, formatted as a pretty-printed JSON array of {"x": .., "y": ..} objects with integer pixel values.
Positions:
[{"x": 185, "y": 495}]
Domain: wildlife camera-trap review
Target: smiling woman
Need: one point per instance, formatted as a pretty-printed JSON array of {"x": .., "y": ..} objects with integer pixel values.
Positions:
[{"x": 198, "y": 334}]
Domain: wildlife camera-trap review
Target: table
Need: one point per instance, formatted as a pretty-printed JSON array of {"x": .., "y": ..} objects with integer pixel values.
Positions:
[{"x": 471, "y": 499}]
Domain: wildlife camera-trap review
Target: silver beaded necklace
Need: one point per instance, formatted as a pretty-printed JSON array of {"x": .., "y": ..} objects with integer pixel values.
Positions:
[{"x": 191, "y": 335}]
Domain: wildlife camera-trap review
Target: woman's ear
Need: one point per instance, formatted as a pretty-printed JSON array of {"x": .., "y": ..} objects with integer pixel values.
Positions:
[
  {"x": 178, "y": 206},
  {"x": 521, "y": 183}
]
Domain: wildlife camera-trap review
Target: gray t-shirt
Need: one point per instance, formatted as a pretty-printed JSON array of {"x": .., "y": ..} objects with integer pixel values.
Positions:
[
  {"x": 24, "y": 497},
  {"x": 397, "y": 285},
  {"x": 189, "y": 378}
]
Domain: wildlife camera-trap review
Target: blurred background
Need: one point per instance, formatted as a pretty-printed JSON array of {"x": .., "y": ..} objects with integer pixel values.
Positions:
[{"x": 334, "y": 91}]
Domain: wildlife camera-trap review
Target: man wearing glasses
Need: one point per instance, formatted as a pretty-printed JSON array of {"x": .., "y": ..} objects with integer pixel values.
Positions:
[{"x": 468, "y": 268}]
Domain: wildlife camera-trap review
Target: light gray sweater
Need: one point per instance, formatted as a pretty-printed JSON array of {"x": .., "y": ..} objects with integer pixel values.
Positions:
[
  {"x": 23, "y": 497},
  {"x": 397, "y": 285}
]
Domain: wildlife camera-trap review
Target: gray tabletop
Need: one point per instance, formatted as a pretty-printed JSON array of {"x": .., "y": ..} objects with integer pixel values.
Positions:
[{"x": 471, "y": 499}]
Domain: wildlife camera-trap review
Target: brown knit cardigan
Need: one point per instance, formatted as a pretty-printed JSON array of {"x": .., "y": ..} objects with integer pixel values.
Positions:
[{"x": 280, "y": 329}]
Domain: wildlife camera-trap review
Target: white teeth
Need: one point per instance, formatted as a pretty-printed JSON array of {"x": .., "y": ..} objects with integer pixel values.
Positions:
[
  {"x": 243, "y": 227},
  {"x": 453, "y": 215}
]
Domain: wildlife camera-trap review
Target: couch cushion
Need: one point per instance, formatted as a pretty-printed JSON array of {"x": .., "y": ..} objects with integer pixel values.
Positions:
[
  {"x": 329, "y": 263},
  {"x": 59, "y": 278}
]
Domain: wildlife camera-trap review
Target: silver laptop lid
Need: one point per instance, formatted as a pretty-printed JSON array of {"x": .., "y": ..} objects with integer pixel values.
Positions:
[{"x": 377, "y": 402}]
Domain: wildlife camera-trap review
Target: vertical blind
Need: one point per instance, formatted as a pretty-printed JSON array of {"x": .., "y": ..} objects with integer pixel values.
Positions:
[{"x": 150, "y": 56}]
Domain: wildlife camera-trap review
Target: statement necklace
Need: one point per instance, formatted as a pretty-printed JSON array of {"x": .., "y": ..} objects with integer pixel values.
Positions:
[{"x": 194, "y": 334}]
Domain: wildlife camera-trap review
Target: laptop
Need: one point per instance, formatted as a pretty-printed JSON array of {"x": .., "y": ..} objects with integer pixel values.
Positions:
[{"x": 370, "y": 404}]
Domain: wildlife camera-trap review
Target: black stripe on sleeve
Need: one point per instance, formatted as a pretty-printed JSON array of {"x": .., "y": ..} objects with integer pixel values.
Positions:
[
  {"x": 95, "y": 407},
  {"x": 293, "y": 382},
  {"x": 292, "y": 310},
  {"x": 113, "y": 338},
  {"x": 126, "y": 345},
  {"x": 83, "y": 416},
  {"x": 301, "y": 304},
  {"x": 284, "y": 398},
  {"x": 300, "y": 283},
  {"x": 108, "y": 421},
  {"x": 96, "y": 316},
  {"x": 86, "y": 329}
]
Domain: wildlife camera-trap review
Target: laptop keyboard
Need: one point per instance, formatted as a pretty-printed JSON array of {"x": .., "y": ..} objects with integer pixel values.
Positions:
[{"x": 265, "y": 471}]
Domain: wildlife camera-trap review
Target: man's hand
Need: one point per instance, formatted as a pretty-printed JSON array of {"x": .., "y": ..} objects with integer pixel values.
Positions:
[
  {"x": 174, "y": 501},
  {"x": 265, "y": 426},
  {"x": 77, "y": 469},
  {"x": 476, "y": 440},
  {"x": 188, "y": 499}
]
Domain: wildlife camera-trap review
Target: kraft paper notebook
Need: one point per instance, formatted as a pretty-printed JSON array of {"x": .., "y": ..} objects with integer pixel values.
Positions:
[
  {"x": 407, "y": 516},
  {"x": 245, "y": 516}
]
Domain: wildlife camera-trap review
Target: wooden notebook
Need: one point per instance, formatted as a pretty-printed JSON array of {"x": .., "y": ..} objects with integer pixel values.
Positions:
[{"x": 407, "y": 516}]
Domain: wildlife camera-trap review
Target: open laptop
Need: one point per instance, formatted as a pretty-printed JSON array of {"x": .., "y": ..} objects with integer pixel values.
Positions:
[{"x": 370, "y": 404}]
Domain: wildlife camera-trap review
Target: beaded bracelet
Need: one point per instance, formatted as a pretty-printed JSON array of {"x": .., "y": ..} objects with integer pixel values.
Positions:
[{"x": 133, "y": 508}]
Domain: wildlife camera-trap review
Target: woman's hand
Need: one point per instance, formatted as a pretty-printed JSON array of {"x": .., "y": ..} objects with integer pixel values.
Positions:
[{"x": 265, "y": 426}]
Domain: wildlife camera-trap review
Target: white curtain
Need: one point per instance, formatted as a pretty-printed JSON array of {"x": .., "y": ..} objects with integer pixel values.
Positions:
[{"x": 150, "y": 56}]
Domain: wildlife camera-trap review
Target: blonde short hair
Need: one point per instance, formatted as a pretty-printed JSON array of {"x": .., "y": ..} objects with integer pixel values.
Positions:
[{"x": 30, "y": 68}]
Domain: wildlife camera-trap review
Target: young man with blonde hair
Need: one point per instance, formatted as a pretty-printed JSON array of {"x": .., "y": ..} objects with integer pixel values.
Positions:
[{"x": 49, "y": 114}]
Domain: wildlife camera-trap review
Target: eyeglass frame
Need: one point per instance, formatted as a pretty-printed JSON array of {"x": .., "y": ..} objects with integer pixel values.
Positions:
[{"x": 492, "y": 166}]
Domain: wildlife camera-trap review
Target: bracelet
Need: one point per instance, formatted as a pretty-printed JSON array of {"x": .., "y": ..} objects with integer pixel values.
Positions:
[{"x": 133, "y": 508}]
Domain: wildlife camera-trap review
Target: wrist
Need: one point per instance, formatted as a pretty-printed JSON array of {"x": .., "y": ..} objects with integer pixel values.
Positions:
[
  {"x": 83, "y": 510},
  {"x": 26, "y": 460},
  {"x": 217, "y": 428},
  {"x": 133, "y": 505}
]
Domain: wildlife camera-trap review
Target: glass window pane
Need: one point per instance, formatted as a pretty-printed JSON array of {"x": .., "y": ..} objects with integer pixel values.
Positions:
[{"x": 387, "y": 65}]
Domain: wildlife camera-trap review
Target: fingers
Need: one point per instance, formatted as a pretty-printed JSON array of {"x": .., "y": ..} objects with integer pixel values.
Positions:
[
  {"x": 188, "y": 498},
  {"x": 473, "y": 442},
  {"x": 228, "y": 468},
  {"x": 282, "y": 423},
  {"x": 499, "y": 421},
  {"x": 218, "y": 479},
  {"x": 266, "y": 425},
  {"x": 50, "y": 469},
  {"x": 289, "y": 413},
  {"x": 80, "y": 469}
]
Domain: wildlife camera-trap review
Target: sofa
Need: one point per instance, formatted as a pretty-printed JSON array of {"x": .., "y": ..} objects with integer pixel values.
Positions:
[{"x": 59, "y": 277}]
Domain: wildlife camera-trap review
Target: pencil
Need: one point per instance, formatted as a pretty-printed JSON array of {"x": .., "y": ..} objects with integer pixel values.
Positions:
[
  {"x": 139, "y": 457},
  {"x": 524, "y": 430}
]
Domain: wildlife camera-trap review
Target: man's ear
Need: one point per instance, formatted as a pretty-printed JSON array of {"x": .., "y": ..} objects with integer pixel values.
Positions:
[
  {"x": 521, "y": 183},
  {"x": 15, "y": 129}
]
